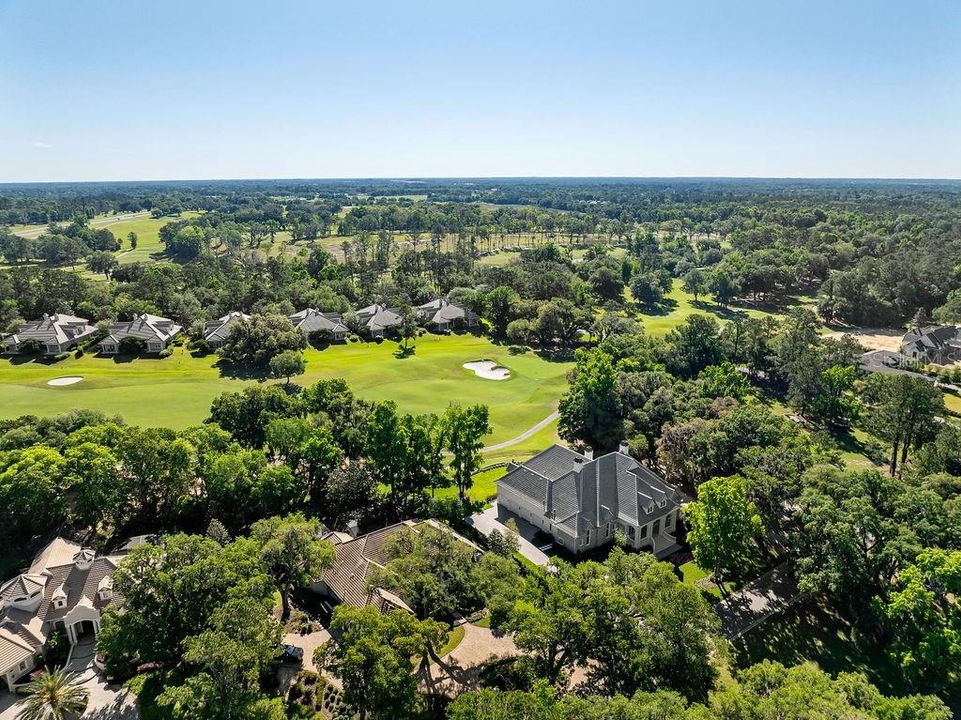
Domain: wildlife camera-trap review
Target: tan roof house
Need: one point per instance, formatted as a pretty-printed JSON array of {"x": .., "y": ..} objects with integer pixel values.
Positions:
[
  {"x": 312, "y": 321},
  {"x": 216, "y": 331},
  {"x": 65, "y": 587},
  {"x": 55, "y": 333},
  {"x": 156, "y": 333},
  {"x": 348, "y": 580}
]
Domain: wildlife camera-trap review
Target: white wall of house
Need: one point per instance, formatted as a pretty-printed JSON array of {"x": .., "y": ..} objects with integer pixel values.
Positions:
[{"x": 17, "y": 671}]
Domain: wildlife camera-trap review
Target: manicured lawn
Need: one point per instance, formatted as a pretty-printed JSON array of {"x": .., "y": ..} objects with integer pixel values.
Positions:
[
  {"x": 679, "y": 306},
  {"x": 177, "y": 391},
  {"x": 454, "y": 638},
  {"x": 952, "y": 403},
  {"x": 148, "y": 236}
]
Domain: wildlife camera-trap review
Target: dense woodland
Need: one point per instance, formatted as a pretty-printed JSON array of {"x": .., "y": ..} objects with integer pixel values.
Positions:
[{"x": 754, "y": 419}]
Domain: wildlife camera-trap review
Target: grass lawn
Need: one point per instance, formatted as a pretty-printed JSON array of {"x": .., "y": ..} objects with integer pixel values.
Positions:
[
  {"x": 952, "y": 403},
  {"x": 679, "y": 306},
  {"x": 148, "y": 236},
  {"x": 812, "y": 631},
  {"x": 177, "y": 391},
  {"x": 454, "y": 638}
]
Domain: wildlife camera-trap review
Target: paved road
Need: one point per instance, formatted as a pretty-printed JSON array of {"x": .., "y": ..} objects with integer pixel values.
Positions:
[
  {"x": 771, "y": 593},
  {"x": 524, "y": 435}
]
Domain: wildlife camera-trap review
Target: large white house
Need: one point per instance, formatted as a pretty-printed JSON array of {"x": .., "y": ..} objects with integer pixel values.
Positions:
[
  {"x": 65, "y": 587},
  {"x": 581, "y": 501}
]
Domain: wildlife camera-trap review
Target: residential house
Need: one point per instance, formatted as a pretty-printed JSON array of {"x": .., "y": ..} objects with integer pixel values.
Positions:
[
  {"x": 939, "y": 344},
  {"x": 216, "y": 331},
  {"x": 378, "y": 319},
  {"x": 348, "y": 580},
  {"x": 66, "y": 587},
  {"x": 155, "y": 331},
  {"x": 442, "y": 315},
  {"x": 56, "y": 333},
  {"x": 581, "y": 501},
  {"x": 312, "y": 321}
]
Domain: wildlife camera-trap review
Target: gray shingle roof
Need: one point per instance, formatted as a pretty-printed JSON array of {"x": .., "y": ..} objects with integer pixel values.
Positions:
[
  {"x": 580, "y": 493},
  {"x": 146, "y": 327},
  {"x": 378, "y": 317},
  {"x": 442, "y": 311},
  {"x": 220, "y": 328},
  {"x": 59, "y": 328},
  {"x": 313, "y": 320}
]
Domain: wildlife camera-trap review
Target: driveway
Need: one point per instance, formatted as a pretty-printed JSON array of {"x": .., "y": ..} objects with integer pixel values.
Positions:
[
  {"x": 771, "y": 593},
  {"x": 460, "y": 669},
  {"x": 105, "y": 702},
  {"x": 493, "y": 519}
]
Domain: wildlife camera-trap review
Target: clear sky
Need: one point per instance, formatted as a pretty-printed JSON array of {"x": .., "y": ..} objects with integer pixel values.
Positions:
[{"x": 96, "y": 90}]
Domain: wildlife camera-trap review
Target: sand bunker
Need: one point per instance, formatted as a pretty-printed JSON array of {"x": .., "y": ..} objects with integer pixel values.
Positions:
[
  {"x": 66, "y": 380},
  {"x": 488, "y": 370}
]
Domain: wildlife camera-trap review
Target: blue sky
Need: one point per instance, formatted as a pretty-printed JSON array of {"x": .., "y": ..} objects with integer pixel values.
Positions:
[{"x": 98, "y": 90}]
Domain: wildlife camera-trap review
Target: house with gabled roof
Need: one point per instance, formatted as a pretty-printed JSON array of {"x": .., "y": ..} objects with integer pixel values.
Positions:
[
  {"x": 66, "y": 587},
  {"x": 348, "y": 579},
  {"x": 156, "y": 333},
  {"x": 55, "y": 333},
  {"x": 938, "y": 344},
  {"x": 440, "y": 314},
  {"x": 378, "y": 320},
  {"x": 216, "y": 331},
  {"x": 312, "y": 321},
  {"x": 582, "y": 501}
]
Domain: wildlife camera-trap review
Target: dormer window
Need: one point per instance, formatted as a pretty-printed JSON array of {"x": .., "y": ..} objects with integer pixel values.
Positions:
[{"x": 60, "y": 603}]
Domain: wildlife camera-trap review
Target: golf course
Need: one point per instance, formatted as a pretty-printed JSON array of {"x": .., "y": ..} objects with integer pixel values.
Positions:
[{"x": 177, "y": 391}]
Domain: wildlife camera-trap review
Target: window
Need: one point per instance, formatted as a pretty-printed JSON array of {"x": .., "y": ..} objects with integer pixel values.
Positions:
[
  {"x": 23, "y": 665},
  {"x": 644, "y": 531}
]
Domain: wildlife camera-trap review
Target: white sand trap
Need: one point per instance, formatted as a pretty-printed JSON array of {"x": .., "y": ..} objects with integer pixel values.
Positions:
[
  {"x": 66, "y": 380},
  {"x": 488, "y": 370}
]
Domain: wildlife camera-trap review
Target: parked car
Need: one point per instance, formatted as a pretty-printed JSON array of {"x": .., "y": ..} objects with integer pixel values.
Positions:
[{"x": 292, "y": 654}]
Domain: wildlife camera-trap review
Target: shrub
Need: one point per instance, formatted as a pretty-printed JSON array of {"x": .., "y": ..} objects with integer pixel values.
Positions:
[
  {"x": 78, "y": 353},
  {"x": 60, "y": 356},
  {"x": 166, "y": 352},
  {"x": 517, "y": 349}
]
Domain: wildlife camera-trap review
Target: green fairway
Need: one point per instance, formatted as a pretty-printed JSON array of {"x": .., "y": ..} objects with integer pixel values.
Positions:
[
  {"x": 680, "y": 305},
  {"x": 177, "y": 391},
  {"x": 148, "y": 236}
]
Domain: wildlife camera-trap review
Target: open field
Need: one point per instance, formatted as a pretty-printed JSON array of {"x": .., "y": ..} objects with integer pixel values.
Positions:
[
  {"x": 177, "y": 391},
  {"x": 680, "y": 305},
  {"x": 148, "y": 236},
  {"x": 873, "y": 338}
]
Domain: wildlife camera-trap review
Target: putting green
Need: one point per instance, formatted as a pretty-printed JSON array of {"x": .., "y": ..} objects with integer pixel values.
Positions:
[{"x": 177, "y": 391}]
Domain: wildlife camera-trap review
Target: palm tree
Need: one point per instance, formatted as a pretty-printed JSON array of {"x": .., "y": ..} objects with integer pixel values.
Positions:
[{"x": 54, "y": 695}]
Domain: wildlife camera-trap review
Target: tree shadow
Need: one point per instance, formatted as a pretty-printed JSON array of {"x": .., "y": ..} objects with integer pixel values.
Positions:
[
  {"x": 402, "y": 353},
  {"x": 229, "y": 369}
]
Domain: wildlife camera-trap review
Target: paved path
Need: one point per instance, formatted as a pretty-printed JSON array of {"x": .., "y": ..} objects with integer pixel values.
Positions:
[
  {"x": 492, "y": 519},
  {"x": 460, "y": 669},
  {"x": 524, "y": 435},
  {"x": 747, "y": 608},
  {"x": 105, "y": 702}
]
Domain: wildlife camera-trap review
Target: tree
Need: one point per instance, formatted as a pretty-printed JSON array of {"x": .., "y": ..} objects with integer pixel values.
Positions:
[
  {"x": 723, "y": 523},
  {"x": 256, "y": 340},
  {"x": 370, "y": 654},
  {"x": 287, "y": 364},
  {"x": 292, "y": 553},
  {"x": 56, "y": 695},
  {"x": 925, "y": 619},
  {"x": 102, "y": 262},
  {"x": 695, "y": 283},
  {"x": 463, "y": 430},
  {"x": 694, "y": 345},
  {"x": 501, "y": 304},
  {"x": 647, "y": 288},
  {"x": 901, "y": 410},
  {"x": 722, "y": 286},
  {"x": 408, "y": 327},
  {"x": 228, "y": 659},
  {"x": 246, "y": 414},
  {"x": 430, "y": 568},
  {"x": 589, "y": 410},
  {"x": 132, "y": 239}
]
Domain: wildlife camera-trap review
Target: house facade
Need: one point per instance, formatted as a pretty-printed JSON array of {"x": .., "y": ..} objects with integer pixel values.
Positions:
[
  {"x": 55, "y": 333},
  {"x": 378, "y": 320},
  {"x": 312, "y": 320},
  {"x": 65, "y": 588},
  {"x": 348, "y": 579},
  {"x": 442, "y": 315},
  {"x": 216, "y": 331},
  {"x": 938, "y": 344},
  {"x": 582, "y": 501},
  {"x": 156, "y": 332}
]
